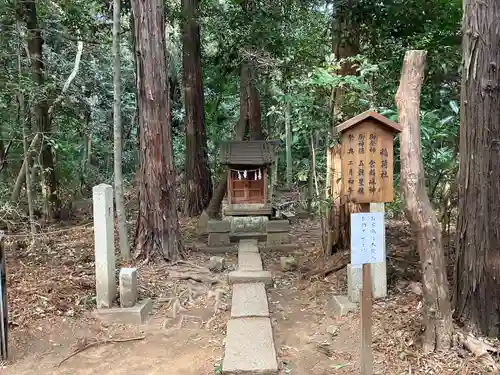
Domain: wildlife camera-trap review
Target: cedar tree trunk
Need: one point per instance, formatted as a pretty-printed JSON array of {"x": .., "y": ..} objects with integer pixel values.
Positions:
[
  {"x": 345, "y": 43},
  {"x": 418, "y": 209},
  {"x": 198, "y": 176},
  {"x": 157, "y": 230},
  {"x": 42, "y": 118},
  {"x": 476, "y": 296},
  {"x": 254, "y": 112},
  {"x": 117, "y": 137}
]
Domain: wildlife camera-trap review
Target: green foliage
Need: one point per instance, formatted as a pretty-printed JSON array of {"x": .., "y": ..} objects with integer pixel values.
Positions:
[
  {"x": 291, "y": 44},
  {"x": 439, "y": 146}
]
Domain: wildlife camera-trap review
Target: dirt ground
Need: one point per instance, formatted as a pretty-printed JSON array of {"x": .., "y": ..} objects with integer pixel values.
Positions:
[{"x": 51, "y": 298}]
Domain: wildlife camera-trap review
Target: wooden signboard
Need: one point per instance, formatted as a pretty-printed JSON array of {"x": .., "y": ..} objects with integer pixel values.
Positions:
[{"x": 367, "y": 142}]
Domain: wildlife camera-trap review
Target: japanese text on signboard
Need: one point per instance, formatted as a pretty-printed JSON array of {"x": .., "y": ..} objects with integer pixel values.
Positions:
[{"x": 367, "y": 238}]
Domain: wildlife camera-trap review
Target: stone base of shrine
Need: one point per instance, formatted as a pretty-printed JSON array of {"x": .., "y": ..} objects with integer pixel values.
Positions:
[
  {"x": 248, "y": 209},
  {"x": 203, "y": 247}
]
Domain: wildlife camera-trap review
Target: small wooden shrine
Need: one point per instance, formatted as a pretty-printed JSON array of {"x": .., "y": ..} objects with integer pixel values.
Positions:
[{"x": 248, "y": 164}]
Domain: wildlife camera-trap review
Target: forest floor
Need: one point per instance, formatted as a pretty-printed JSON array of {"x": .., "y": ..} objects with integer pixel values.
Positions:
[{"x": 51, "y": 298}]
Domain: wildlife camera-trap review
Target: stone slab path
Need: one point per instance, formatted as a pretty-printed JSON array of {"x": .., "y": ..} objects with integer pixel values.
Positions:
[
  {"x": 249, "y": 300},
  {"x": 249, "y": 348}
]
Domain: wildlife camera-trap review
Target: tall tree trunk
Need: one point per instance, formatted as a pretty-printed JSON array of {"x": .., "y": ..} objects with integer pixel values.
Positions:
[
  {"x": 3, "y": 153},
  {"x": 288, "y": 146},
  {"x": 418, "y": 208},
  {"x": 136, "y": 112},
  {"x": 158, "y": 225},
  {"x": 21, "y": 178},
  {"x": 244, "y": 99},
  {"x": 477, "y": 268},
  {"x": 43, "y": 120},
  {"x": 345, "y": 43},
  {"x": 198, "y": 176},
  {"x": 27, "y": 156},
  {"x": 117, "y": 136},
  {"x": 86, "y": 157},
  {"x": 254, "y": 110}
]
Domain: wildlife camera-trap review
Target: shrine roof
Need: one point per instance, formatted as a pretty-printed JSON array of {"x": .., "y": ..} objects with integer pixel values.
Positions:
[
  {"x": 393, "y": 126},
  {"x": 248, "y": 152}
]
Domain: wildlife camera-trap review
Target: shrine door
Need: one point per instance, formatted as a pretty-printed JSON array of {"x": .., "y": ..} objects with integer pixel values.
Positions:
[{"x": 247, "y": 190}]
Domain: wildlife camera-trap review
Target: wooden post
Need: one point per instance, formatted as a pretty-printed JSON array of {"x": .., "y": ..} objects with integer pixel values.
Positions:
[
  {"x": 366, "y": 322},
  {"x": 266, "y": 182},
  {"x": 366, "y": 314},
  {"x": 229, "y": 186},
  {"x": 4, "y": 318}
]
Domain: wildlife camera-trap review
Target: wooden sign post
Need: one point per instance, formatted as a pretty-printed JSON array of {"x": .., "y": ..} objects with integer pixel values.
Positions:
[
  {"x": 367, "y": 142},
  {"x": 367, "y": 158},
  {"x": 4, "y": 320}
]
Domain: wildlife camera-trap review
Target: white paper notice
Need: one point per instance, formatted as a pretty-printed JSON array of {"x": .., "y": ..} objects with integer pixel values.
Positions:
[{"x": 367, "y": 238}]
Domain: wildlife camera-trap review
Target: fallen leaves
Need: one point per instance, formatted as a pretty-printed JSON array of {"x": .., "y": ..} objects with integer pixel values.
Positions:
[{"x": 481, "y": 349}]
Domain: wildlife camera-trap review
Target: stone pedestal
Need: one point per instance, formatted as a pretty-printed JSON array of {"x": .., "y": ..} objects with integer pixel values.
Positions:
[
  {"x": 131, "y": 311},
  {"x": 278, "y": 232},
  {"x": 218, "y": 232}
]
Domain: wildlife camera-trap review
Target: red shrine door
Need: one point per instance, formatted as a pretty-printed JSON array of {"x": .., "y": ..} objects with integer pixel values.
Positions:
[{"x": 246, "y": 190}]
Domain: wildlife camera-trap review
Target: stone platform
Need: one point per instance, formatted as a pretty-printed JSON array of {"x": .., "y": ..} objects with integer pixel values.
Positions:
[{"x": 137, "y": 314}]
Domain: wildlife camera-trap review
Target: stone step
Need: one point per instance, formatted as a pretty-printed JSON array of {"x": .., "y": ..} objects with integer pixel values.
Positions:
[
  {"x": 202, "y": 247},
  {"x": 278, "y": 226},
  {"x": 259, "y": 236},
  {"x": 240, "y": 277},
  {"x": 249, "y": 261},
  {"x": 248, "y": 245},
  {"x": 283, "y": 247},
  {"x": 249, "y": 348},
  {"x": 249, "y": 300}
]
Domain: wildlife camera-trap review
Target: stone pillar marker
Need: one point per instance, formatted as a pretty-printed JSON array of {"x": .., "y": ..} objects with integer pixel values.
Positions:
[
  {"x": 128, "y": 287},
  {"x": 104, "y": 245}
]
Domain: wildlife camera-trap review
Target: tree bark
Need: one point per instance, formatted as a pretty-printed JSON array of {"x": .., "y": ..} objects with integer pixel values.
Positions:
[
  {"x": 477, "y": 268},
  {"x": 244, "y": 98},
  {"x": 418, "y": 209},
  {"x": 35, "y": 44},
  {"x": 254, "y": 109},
  {"x": 288, "y": 146},
  {"x": 157, "y": 232},
  {"x": 345, "y": 43},
  {"x": 198, "y": 176},
  {"x": 21, "y": 177},
  {"x": 117, "y": 135},
  {"x": 27, "y": 156}
]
